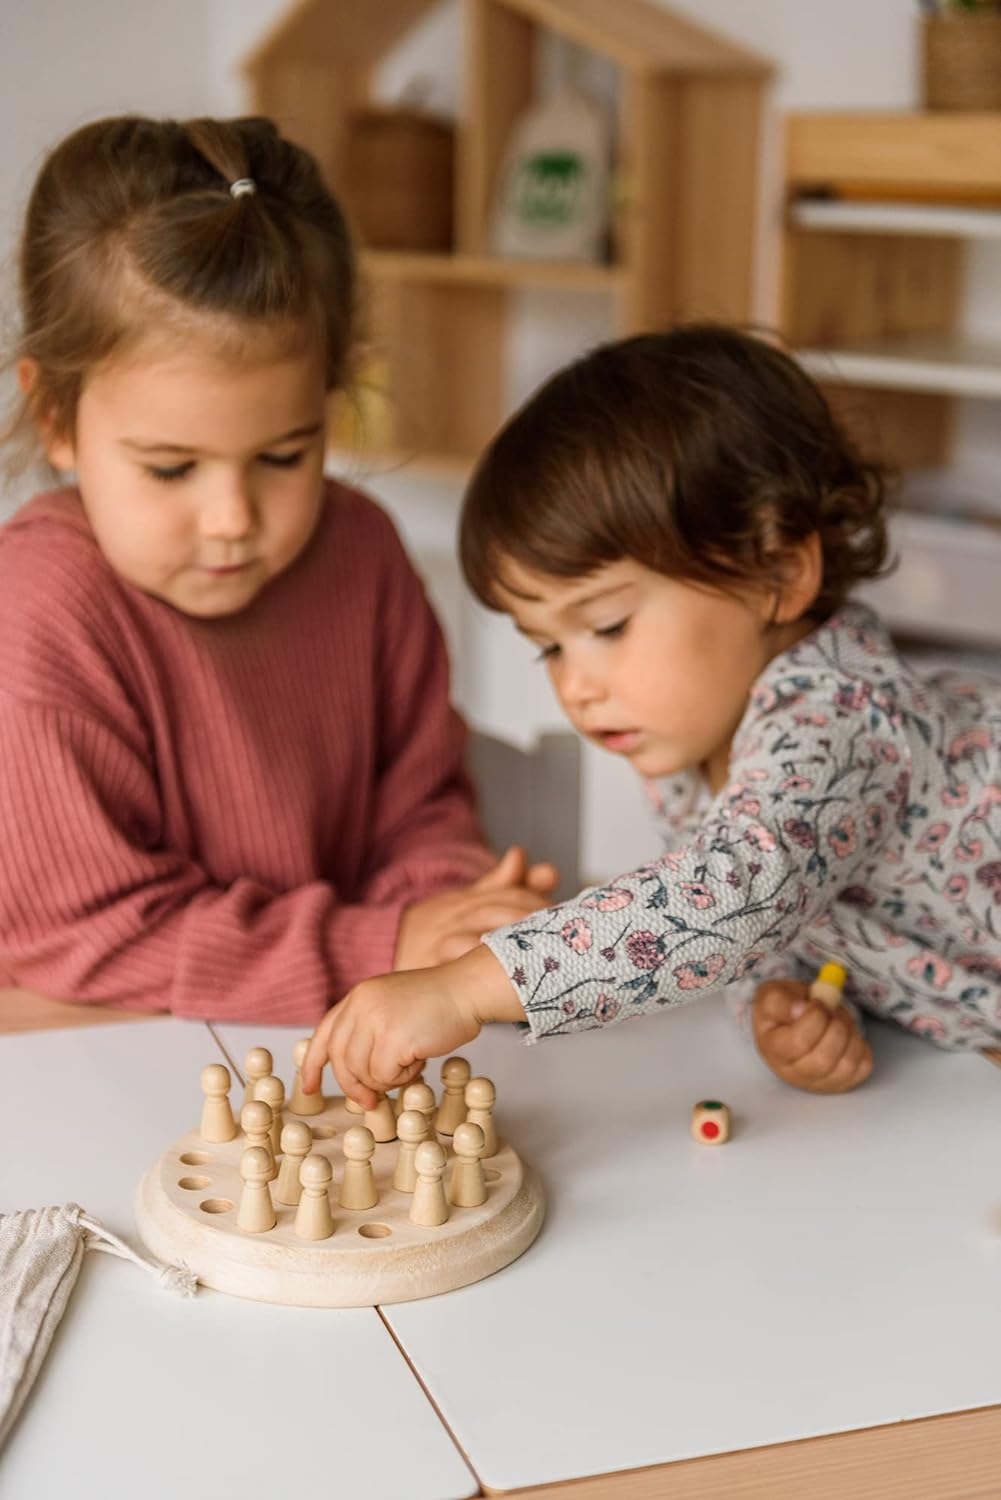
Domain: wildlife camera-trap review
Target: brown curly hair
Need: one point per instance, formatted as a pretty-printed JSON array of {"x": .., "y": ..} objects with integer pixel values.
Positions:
[
  {"x": 131, "y": 231},
  {"x": 704, "y": 453}
]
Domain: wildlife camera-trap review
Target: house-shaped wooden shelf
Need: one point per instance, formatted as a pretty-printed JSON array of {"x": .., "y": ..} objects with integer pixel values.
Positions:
[{"x": 687, "y": 167}]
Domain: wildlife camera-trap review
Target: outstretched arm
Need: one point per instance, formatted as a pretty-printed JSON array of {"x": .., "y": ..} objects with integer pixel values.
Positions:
[{"x": 383, "y": 1032}]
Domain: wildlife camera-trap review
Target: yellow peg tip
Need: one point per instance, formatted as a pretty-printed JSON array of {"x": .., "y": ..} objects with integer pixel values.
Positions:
[{"x": 834, "y": 974}]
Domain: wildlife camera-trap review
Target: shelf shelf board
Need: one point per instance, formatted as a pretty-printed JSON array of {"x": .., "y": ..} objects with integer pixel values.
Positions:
[
  {"x": 948, "y": 366},
  {"x": 939, "y": 153},
  {"x": 859, "y": 217},
  {"x": 483, "y": 270},
  {"x": 368, "y": 463}
]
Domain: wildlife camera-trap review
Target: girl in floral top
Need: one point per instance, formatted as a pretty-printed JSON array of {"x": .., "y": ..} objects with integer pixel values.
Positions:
[{"x": 676, "y": 521}]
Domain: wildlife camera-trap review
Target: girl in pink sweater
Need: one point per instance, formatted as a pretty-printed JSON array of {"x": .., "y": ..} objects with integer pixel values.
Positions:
[{"x": 231, "y": 782}]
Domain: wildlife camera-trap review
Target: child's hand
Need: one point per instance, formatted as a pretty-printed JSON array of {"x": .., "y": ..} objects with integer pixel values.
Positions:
[
  {"x": 805, "y": 1043},
  {"x": 383, "y": 1031},
  {"x": 447, "y": 925}
]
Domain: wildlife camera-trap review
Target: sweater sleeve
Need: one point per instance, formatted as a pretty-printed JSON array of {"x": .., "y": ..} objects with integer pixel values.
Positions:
[
  {"x": 92, "y": 910},
  {"x": 810, "y": 805},
  {"x": 425, "y": 835}
]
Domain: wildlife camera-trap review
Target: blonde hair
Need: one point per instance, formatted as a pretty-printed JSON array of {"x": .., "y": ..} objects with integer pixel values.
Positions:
[{"x": 131, "y": 228}]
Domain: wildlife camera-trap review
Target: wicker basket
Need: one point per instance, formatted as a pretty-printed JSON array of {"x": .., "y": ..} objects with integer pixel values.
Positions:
[
  {"x": 962, "y": 61},
  {"x": 398, "y": 168}
]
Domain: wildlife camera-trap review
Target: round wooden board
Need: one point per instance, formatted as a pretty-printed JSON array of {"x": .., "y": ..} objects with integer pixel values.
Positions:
[{"x": 186, "y": 1208}]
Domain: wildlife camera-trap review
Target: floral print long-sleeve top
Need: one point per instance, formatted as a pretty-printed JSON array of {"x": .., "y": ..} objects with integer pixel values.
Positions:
[{"x": 861, "y": 822}]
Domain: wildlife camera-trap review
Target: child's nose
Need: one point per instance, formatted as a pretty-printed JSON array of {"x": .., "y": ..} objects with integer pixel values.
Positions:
[
  {"x": 579, "y": 686},
  {"x": 229, "y": 514}
]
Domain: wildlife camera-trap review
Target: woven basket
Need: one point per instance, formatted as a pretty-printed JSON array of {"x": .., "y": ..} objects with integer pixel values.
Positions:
[
  {"x": 962, "y": 61},
  {"x": 397, "y": 182}
]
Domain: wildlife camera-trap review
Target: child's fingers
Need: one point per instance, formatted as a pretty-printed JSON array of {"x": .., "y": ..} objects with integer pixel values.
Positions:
[
  {"x": 836, "y": 1033},
  {"x": 853, "y": 1068},
  {"x": 350, "y": 1062},
  {"x": 543, "y": 878},
  {"x": 855, "y": 1065},
  {"x": 827, "y": 1052},
  {"x": 778, "y": 1002},
  {"x": 316, "y": 1055},
  {"x": 498, "y": 911},
  {"x": 392, "y": 1075},
  {"x": 791, "y": 1043},
  {"x": 509, "y": 870}
]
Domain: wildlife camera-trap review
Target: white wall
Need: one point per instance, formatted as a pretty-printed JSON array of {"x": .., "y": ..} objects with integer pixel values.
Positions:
[{"x": 61, "y": 63}]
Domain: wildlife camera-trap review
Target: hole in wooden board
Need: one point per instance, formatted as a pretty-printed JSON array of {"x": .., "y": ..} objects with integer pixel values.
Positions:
[
  {"x": 490, "y": 1174},
  {"x": 196, "y": 1158},
  {"x": 192, "y": 1184},
  {"x": 323, "y": 1132},
  {"x": 216, "y": 1206},
  {"x": 374, "y": 1231}
]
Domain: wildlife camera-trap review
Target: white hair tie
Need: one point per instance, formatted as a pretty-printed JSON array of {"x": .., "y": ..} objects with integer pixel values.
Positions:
[{"x": 243, "y": 187}]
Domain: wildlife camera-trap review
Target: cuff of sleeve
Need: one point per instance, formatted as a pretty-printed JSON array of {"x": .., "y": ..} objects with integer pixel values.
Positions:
[{"x": 541, "y": 1020}]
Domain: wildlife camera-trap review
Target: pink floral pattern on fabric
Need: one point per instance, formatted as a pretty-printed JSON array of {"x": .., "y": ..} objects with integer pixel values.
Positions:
[{"x": 861, "y": 821}]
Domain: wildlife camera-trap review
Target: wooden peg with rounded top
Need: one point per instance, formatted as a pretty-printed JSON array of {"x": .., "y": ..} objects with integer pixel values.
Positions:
[
  {"x": 217, "y": 1123},
  {"x": 429, "y": 1205},
  {"x": 313, "y": 1218},
  {"x": 358, "y": 1188},
  {"x": 455, "y": 1073},
  {"x": 297, "y": 1141},
  {"x": 301, "y": 1103},
  {"x": 256, "y": 1212}
]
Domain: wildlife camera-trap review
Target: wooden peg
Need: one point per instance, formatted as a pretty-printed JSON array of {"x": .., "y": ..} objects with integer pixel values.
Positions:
[
  {"x": 829, "y": 985},
  {"x": 257, "y": 1064},
  {"x": 297, "y": 1142},
  {"x": 480, "y": 1098},
  {"x": 256, "y": 1212},
  {"x": 272, "y": 1091},
  {"x": 255, "y": 1122},
  {"x": 429, "y": 1205},
  {"x": 412, "y": 1128},
  {"x": 217, "y": 1117},
  {"x": 455, "y": 1073},
  {"x": 302, "y": 1103},
  {"x": 467, "y": 1188},
  {"x": 358, "y": 1188},
  {"x": 421, "y": 1096},
  {"x": 313, "y": 1219},
  {"x": 381, "y": 1120}
]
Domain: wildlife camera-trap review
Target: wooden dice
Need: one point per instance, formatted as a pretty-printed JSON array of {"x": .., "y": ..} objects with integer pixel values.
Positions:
[{"x": 711, "y": 1122}]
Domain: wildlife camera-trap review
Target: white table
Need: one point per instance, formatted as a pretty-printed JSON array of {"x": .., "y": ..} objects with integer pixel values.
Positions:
[
  {"x": 836, "y": 1266},
  {"x": 148, "y": 1395},
  {"x": 619, "y": 1357}
]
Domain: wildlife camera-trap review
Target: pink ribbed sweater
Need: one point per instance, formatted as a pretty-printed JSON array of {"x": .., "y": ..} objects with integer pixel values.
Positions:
[{"x": 220, "y": 818}]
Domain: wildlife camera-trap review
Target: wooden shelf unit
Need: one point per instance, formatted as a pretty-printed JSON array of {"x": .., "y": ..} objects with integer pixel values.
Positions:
[
  {"x": 684, "y": 221},
  {"x": 879, "y": 209}
]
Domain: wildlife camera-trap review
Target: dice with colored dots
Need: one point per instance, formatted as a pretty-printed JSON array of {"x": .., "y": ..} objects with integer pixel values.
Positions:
[{"x": 711, "y": 1122}]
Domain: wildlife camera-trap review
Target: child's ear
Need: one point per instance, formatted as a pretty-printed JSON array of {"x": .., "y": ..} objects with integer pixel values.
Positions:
[
  {"x": 802, "y": 576},
  {"x": 58, "y": 450},
  {"x": 27, "y": 374}
]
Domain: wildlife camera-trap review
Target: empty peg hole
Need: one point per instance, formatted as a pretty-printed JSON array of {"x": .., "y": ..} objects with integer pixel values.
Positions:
[
  {"x": 374, "y": 1231},
  {"x": 324, "y": 1132},
  {"x": 490, "y": 1174},
  {"x": 196, "y": 1158},
  {"x": 192, "y": 1184},
  {"x": 216, "y": 1206}
]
